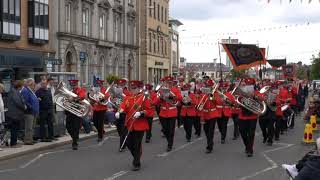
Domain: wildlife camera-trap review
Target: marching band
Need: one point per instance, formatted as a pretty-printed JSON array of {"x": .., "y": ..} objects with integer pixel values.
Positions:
[{"x": 247, "y": 101}]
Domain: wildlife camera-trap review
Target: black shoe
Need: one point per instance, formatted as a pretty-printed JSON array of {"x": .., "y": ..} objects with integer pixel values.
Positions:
[
  {"x": 208, "y": 151},
  {"x": 169, "y": 149},
  {"x": 249, "y": 154},
  {"x": 136, "y": 168},
  {"x": 74, "y": 146},
  {"x": 147, "y": 140},
  {"x": 269, "y": 143},
  {"x": 282, "y": 132},
  {"x": 223, "y": 141},
  {"x": 188, "y": 140},
  {"x": 99, "y": 140},
  {"x": 277, "y": 139},
  {"x": 264, "y": 140}
]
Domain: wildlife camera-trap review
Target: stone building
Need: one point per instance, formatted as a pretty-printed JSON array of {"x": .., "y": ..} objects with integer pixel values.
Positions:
[
  {"x": 175, "y": 50},
  {"x": 96, "y": 38},
  {"x": 154, "y": 40}
]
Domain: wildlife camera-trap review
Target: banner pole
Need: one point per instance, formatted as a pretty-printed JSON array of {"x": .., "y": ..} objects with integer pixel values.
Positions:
[{"x": 220, "y": 62}]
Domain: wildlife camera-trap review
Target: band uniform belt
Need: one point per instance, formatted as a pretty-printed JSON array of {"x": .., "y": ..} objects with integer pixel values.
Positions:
[
  {"x": 209, "y": 110},
  {"x": 168, "y": 108}
]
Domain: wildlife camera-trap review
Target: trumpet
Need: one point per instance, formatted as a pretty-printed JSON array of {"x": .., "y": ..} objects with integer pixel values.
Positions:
[
  {"x": 62, "y": 98},
  {"x": 186, "y": 99},
  {"x": 205, "y": 98}
]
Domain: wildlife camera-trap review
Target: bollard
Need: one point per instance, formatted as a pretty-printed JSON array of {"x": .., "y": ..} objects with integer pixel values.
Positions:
[
  {"x": 313, "y": 122},
  {"x": 308, "y": 135}
]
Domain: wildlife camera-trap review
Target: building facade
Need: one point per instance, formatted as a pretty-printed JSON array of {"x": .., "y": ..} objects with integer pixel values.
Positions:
[
  {"x": 175, "y": 39},
  {"x": 213, "y": 70},
  {"x": 154, "y": 40},
  {"x": 96, "y": 38},
  {"x": 24, "y": 38}
]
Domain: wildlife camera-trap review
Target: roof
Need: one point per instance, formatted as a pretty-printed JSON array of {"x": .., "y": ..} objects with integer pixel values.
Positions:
[
  {"x": 176, "y": 22},
  {"x": 207, "y": 66}
]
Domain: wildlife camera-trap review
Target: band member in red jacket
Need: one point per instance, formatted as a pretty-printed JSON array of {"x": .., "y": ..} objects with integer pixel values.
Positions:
[
  {"x": 247, "y": 119},
  {"x": 168, "y": 100},
  {"x": 99, "y": 111},
  {"x": 293, "y": 103},
  {"x": 153, "y": 100},
  {"x": 72, "y": 121},
  {"x": 137, "y": 108},
  {"x": 209, "y": 112},
  {"x": 226, "y": 114},
  {"x": 188, "y": 110}
]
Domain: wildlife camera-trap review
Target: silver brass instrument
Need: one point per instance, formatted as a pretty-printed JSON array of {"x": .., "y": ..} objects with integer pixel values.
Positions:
[
  {"x": 249, "y": 103},
  {"x": 206, "y": 97},
  {"x": 62, "y": 98},
  {"x": 96, "y": 96},
  {"x": 185, "y": 97},
  {"x": 164, "y": 93}
]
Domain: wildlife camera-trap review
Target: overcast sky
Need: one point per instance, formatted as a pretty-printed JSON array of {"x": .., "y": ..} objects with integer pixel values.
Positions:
[{"x": 290, "y": 31}]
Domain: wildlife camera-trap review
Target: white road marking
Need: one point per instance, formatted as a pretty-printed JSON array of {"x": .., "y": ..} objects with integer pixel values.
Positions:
[
  {"x": 32, "y": 161},
  {"x": 274, "y": 165},
  {"x": 116, "y": 175}
]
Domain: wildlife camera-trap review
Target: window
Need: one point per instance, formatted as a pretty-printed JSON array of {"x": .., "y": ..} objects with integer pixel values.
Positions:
[
  {"x": 117, "y": 28},
  {"x": 150, "y": 43},
  {"x": 85, "y": 22},
  {"x": 10, "y": 19},
  {"x": 166, "y": 15},
  {"x": 158, "y": 12},
  {"x": 162, "y": 46},
  {"x": 131, "y": 31},
  {"x": 158, "y": 42},
  {"x": 165, "y": 47},
  {"x": 161, "y": 13},
  {"x": 154, "y": 44},
  {"x": 102, "y": 27},
  {"x": 38, "y": 21},
  {"x": 154, "y": 10},
  {"x": 68, "y": 17},
  {"x": 150, "y": 9}
]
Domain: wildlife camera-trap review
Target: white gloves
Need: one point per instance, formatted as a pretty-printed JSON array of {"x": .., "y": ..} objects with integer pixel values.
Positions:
[
  {"x": 117, "y": 115},
  {"x": 137, "y": 115}
]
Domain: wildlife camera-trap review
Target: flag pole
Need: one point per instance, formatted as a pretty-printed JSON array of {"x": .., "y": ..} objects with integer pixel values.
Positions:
[{"x": 220, "y": 62}]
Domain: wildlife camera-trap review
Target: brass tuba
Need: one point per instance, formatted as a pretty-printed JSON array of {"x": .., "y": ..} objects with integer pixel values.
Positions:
[
  {"x": 96, "y": 96},
  {"x": 249, "y": 103},
  {"x": 62, "y": 96}
]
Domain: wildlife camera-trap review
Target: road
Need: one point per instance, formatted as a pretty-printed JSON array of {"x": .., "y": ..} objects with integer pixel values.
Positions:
[{"x": 102, "y": 161}]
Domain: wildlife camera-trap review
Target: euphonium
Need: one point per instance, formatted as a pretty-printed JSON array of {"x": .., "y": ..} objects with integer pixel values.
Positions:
[
  {"x": 96, "y": 96},
  {"x": 62, "y": 98}
]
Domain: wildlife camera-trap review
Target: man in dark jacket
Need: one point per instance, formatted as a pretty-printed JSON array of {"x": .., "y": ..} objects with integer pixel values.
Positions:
[
  {"x": 45, "y": 111},
  {"x": 16, "y": 108}
]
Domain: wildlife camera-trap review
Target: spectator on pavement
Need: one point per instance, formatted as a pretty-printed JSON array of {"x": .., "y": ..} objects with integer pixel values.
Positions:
[
  {"x": 2, "y": 119},
  {"x": 32, "y": 111},
  {"x": 45, "y": 111},
  {"x": 15, "y": 113}
]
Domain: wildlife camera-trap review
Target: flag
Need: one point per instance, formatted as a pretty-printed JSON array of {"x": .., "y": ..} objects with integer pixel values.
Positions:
[
  {"x": 276, "y": 63},
  {"x": 244, "y": 56}
]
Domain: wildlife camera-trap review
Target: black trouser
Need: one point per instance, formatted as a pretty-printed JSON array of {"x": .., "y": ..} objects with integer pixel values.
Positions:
[
  {"x": 223, "y": 126},
  {"x": 149, "y": 131},
  {"x": 179, "y": 118},
  {"x": 247, "y": 130},
  {"x": 208, "y": 128},
  {"x": 187, "y": 125},
  {"x": 267, "y": 126},
  {"x": 73, "y": 126},
  {"x": 46, "y": 117},
  {"x": 120, "y": 128},
  {"x": 14, "y": 125},
  {"x": 197, "y": 125},
  {"x": 169, "y": 125},
  {"x": 235, "y": 119},
  {"x": 279, "y": 122},
  {"x": 134, "y": 144},
  {"x": 98, "y": 121}
]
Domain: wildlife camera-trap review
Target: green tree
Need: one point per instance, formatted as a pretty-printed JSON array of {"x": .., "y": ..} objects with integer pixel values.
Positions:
[
  {"x": 236, "y": 74},
  {"x": 111, "y": 78},
  {"x": 315, "y": 67}
]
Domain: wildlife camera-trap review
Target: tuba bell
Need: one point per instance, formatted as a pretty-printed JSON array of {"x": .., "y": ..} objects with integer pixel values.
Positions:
[{"x": 62, "y": 98}]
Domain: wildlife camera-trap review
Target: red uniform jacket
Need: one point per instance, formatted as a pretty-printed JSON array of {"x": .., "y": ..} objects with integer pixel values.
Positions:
[
  {"x": 190, "y": 111},
  {"x": 210, "y": 110},
  {"x": 137, "y": 103},
  {"x": 281, "y": 99},
  {"x": 153, "y": 100},
  {"x": 294, "y": 92},
  {"x": 81, "y": 92},
  {"x": 126, "y": 92},
  {"x": 168, "y": 110},
  {"x": 99, "y": 107}
]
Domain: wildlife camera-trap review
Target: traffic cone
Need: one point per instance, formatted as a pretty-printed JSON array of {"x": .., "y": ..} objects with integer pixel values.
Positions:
[
  {"x": 308, "y": 135},
  {"x": 313, "y": 122}
]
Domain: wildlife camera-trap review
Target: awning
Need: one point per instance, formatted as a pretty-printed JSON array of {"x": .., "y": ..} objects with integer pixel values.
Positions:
[{"x": 12, "y": 58}]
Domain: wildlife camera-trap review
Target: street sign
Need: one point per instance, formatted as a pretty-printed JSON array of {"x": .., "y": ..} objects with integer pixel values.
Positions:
[
  {"x": 83, "y": 56},
  {"x": 53, "y": 61}
]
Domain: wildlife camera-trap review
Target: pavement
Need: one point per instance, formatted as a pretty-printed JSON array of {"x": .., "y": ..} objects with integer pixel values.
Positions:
[{"x": 102, "y": 161}]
